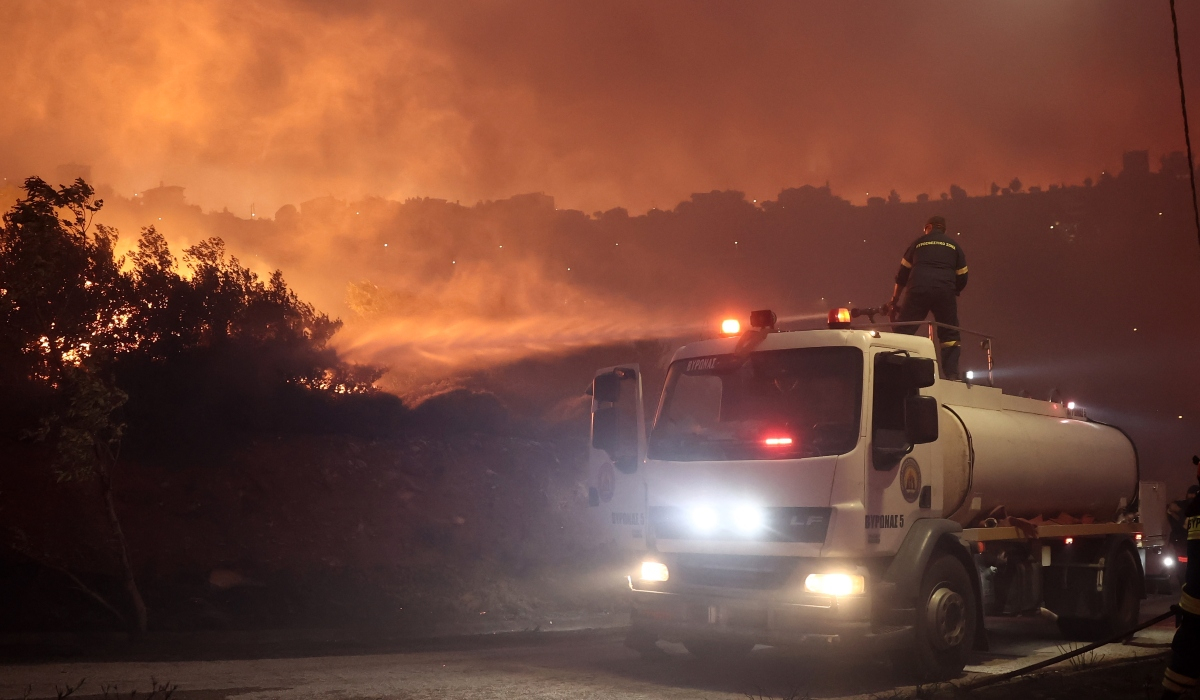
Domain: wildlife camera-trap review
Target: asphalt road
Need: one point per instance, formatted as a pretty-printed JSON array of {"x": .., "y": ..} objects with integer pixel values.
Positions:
[{"x": 580, "y": 664}]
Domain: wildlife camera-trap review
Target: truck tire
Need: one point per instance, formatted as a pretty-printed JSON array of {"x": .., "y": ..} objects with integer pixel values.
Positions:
[
  {"x": 1122, "y": 604},
  {"x": 718, "y": 651},
  {"x": 945, "y": 629}
]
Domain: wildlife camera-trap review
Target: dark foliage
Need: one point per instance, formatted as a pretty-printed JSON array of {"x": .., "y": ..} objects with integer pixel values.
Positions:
[
  {"x": 461, "y": 410},
  {"x": 185, "y": 365}
]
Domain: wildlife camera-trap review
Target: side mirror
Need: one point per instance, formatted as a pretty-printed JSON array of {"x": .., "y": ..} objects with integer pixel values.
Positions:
[
  {"x": 918, "y": 372},
  {"x": 921, "y": 418},
  {"x": 607, "y": 387},
  {"x": 604, "y": 428}
]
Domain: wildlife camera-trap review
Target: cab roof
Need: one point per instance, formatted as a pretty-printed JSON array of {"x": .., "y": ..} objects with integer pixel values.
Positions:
[
  {"x": 919, "y": 346},
  {"x": 951, "y": 393}
]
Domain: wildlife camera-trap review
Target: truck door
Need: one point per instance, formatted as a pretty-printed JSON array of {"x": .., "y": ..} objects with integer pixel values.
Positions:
[
  {"x": 617, "y": 453},
  {"x": 901, "y": 475}
]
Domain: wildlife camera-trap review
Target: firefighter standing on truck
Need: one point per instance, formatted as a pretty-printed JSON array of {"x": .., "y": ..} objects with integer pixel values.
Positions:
[
  {"x": 934, "y": 272},
  {"x": 1184, "y": 668}
]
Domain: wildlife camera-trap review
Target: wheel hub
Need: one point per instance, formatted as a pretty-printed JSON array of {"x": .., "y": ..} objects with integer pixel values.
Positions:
[{"x": 945, "y": 618}]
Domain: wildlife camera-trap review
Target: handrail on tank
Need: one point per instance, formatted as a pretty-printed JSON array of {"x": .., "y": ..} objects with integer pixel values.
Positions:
[{"x": 985, "y": 344}]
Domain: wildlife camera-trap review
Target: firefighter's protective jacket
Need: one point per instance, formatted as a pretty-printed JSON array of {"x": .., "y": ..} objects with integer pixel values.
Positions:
[
  {"x": 1183, "y": 671},
  {"x": 933, "y": 261},
  {"x": 1190, "y": 598}
]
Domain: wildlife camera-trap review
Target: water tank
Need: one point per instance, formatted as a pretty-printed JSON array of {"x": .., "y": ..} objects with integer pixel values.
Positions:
[{"x": 1033, "y": 464}]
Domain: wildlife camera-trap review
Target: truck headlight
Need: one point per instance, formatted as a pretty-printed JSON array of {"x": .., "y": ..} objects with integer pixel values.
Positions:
[
  {"x": 835, "y": 584},
  {"x": 704, "y": 519},
  {"x": 654, "y": 571},
  {"x": 749, "y": 520}
]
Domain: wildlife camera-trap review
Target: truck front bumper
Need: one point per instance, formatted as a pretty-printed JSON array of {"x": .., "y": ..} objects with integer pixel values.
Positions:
[{"x": 762, "y": 618}]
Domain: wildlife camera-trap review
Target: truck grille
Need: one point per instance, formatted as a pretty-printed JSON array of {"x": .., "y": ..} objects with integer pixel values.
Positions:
[
  {"x": 782, "y": 525},
  {"x": 731, "y": 571}
]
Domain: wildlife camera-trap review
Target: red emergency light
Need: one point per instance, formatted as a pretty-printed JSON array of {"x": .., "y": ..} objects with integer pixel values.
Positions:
[
  {"x": 1182, "y": 560},
  {"x": 839, "y": 318},
  {"x": 776, "y": 441}
]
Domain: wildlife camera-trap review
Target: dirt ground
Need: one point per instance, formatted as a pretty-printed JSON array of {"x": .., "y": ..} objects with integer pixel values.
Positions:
[
  {"x": 1141, "y": 679},
  {"x": 586, "y": 664}
]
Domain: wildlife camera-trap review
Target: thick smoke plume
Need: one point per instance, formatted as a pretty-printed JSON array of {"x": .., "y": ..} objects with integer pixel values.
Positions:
[{"x": 612, "y": 104}]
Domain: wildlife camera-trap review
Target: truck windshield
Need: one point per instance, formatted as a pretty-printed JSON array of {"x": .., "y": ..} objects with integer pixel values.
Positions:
[{"x": 774, "y": 404}]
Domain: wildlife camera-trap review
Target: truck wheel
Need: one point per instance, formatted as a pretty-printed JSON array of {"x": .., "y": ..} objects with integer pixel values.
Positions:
[
  {"x": 1122, "y": 605},
  {"x": 1122, "y": 600},
  {"x": 945, "y": 630},
  {"x": 717, "y": 652}
]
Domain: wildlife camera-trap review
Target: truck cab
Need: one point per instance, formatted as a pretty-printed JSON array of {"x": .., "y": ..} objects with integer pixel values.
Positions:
[{"x": 812, "y": 487}]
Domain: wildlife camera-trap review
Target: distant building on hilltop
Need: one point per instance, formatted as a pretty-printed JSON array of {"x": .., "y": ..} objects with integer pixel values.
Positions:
[
  {"x": 1174, "y": 164},
  {"x": 1135, "y": 164},
  {"x": 534, "y": 200},
  {"x": 162, "y": 196}
]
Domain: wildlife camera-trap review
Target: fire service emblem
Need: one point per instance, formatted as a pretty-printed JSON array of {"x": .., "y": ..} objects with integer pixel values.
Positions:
[{"x": 910, "y": 480}]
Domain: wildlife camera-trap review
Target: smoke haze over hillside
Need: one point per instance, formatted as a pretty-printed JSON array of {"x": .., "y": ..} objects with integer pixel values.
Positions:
[
  {"x": 1086, "y": 288},
  {"x": 615, "y": 104}
]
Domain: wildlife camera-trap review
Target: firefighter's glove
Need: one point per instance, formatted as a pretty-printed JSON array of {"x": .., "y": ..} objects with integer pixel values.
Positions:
[{"x": 892, "y": 310}]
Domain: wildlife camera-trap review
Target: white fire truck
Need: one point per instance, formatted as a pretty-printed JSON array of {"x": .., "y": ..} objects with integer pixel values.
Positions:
[{"x": 828, "y": 487}]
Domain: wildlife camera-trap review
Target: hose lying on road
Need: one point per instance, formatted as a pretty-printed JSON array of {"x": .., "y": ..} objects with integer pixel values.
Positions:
[{"x": 989, "y": 680}]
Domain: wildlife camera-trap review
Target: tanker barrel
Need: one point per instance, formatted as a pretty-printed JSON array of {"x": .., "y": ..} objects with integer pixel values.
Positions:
[{"x": 1034, "y": 464}]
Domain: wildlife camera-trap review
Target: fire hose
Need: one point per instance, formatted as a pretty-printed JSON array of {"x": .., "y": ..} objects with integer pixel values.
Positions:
[
  {"x": 889, "y": 310},
  {"x": 989, "y": 680}
]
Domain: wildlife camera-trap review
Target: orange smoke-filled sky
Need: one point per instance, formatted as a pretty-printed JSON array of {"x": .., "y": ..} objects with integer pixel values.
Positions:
[{"x": 633, "y": 104}]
